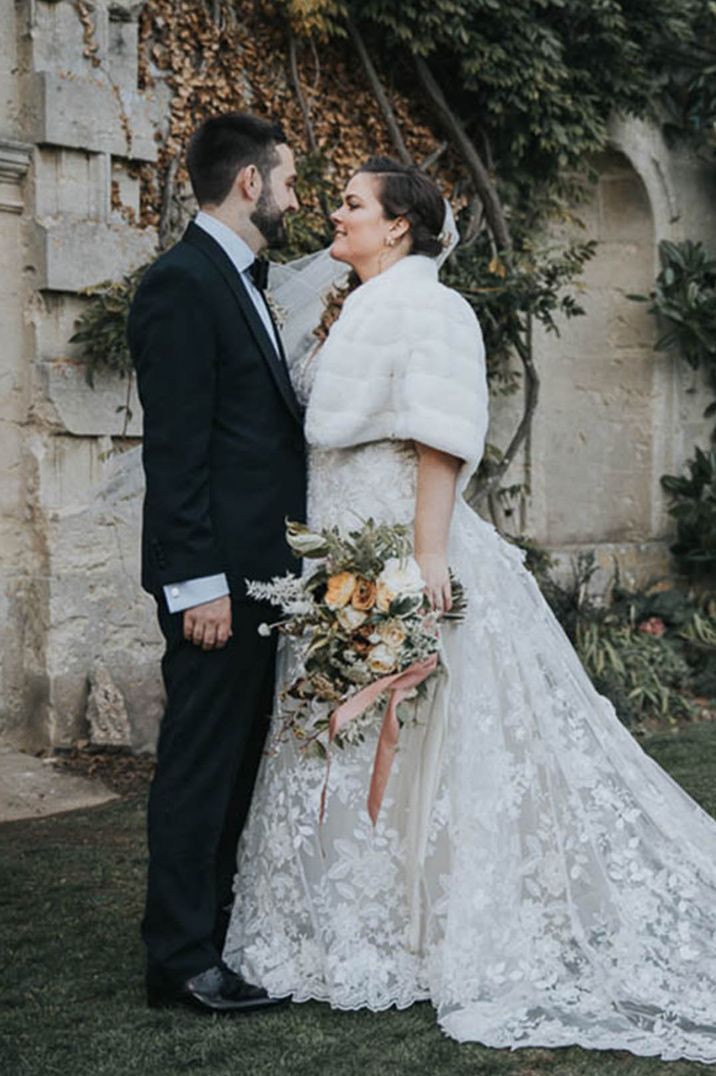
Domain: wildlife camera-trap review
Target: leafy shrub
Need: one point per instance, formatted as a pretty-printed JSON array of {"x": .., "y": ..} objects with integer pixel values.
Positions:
[
  {"x": 643, "y": 675},
  {"x": 649, "y": 651},
  {"x": 102, "y": 326},
  {"x": 693, "y": 506},
  {"x": 684, "y": 300}
]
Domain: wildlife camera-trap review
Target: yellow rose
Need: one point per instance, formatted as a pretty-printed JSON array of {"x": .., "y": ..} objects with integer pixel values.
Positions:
[
  {"x": 364, "y": 594},
  {"x": 340, "y": 589},
  {"x": 383, "y": 597}
]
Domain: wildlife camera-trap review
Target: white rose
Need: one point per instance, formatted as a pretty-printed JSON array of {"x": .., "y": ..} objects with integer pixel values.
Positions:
[
  {"x": 350, "y": 618},
  {"x": 402, "y": 577},
  {"x": 382, "y": 659}
]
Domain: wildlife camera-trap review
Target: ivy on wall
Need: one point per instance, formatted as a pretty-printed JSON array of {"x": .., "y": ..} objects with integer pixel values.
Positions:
[
  {"x": 684, "y": 303},
  {"x": 504, "y": 104}
]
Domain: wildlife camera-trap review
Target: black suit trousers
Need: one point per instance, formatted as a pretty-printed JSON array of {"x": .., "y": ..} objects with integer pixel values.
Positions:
[{"x": 210, "y": 744}]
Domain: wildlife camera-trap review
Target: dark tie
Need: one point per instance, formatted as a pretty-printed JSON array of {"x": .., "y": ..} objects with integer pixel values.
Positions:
[{"x": 259, "y": 270}]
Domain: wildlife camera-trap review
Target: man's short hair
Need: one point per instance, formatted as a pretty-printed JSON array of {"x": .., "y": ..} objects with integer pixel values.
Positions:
[{"x": 225, "y": 144}]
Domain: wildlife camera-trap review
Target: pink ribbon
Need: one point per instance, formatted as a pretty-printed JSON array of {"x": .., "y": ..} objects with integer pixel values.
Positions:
[{"x": 400, "y": 685}]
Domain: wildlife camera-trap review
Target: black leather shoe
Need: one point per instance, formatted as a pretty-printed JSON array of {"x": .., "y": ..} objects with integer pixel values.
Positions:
[{"x": 216, "y": 990}]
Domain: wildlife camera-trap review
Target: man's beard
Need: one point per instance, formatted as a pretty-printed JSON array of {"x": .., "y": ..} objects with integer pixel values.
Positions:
[{"x": 268, "y": 218}]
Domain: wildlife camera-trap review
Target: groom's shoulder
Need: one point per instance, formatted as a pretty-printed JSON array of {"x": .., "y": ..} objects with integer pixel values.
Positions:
[
  {"x": 182, "y": 256},
  {"x": 180, "y": 266}
]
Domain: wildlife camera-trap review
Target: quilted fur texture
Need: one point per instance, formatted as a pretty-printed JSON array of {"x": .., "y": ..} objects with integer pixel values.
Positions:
[{"x": 404, "y": 361}]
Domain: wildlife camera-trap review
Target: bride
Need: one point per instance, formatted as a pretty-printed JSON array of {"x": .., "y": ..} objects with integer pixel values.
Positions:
[{"x": 532, "y": 872}]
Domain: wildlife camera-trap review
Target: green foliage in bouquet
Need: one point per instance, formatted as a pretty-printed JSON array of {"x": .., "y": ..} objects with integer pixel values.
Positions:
[{"x": 360, "y": 616}]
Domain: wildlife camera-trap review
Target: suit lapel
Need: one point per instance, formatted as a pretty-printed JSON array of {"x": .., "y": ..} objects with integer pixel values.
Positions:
[
  {"x": 278, "y": 369},
  {"x": 277, "y": 333}
]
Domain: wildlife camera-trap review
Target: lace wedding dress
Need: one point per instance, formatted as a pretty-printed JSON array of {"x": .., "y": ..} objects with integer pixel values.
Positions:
[{"x": 533, "y": 873}]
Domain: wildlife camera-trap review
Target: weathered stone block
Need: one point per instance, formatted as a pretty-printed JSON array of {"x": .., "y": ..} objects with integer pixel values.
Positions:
[
  {"x": 9, "y": 96},
  {"x": 118, "y": 122},
  {"x": 54, "y": 317},
  {"x": 71, "y": 183},
  {"x": 620, "y": 267},
  {"x": 90, "y": 412},
  {"x": 88, "y": 509},
  {"x": 23, "y": 677},
  {"x": 15, "y": 160},
  {"x": 123, "y": 50},
  {"x": 624, "y": 209},
  {"x": 95, "y": 624},
  {"x": 127, "y": 188},
  {"x": 106, "y": 711},
  {"x": 12, "y": 485},
  {"x": 58, "y": 39},
  {"x": 598, "y": 465},
  {"x": 639, "y": 563},
  {"x": 76, "y": 255}
]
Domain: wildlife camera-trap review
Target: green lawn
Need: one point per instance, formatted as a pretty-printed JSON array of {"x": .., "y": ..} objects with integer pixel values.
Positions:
[{"x": 71, "y": 998}]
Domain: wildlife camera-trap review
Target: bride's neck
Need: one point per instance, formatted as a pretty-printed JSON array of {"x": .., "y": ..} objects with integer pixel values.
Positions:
[{"x": 378, "y": 264}]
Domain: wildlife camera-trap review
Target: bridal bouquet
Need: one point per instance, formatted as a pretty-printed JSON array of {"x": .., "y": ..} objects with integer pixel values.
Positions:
[{"x": 367, "y": 633}]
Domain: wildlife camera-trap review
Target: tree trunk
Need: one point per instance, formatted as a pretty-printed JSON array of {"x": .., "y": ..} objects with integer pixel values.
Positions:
[{"x": 481, "y": 179}]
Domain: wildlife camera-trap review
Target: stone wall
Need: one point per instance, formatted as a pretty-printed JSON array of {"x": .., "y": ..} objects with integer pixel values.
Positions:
[
  {"x": 613, "y": 416},
  {"x": 70, "y": 496}
]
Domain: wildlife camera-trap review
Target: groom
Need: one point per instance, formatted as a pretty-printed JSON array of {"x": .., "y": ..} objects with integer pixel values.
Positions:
[{"x": 224, "y": 461}]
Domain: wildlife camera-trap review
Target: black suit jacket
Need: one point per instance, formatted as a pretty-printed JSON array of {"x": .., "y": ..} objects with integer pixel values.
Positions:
[{"x": 223, "y": 440}]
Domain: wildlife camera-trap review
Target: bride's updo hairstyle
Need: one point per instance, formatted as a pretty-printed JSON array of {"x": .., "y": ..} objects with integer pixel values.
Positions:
[{"x": 405, "y": 191}]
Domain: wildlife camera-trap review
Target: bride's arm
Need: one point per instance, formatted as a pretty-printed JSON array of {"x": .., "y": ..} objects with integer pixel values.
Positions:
[{"x": 437, "y": 475}]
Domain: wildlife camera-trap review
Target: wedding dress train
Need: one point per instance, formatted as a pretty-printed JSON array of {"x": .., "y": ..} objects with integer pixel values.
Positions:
[
  {"x": 569, "y": 885},
  {"x": 533, "y": 872}
]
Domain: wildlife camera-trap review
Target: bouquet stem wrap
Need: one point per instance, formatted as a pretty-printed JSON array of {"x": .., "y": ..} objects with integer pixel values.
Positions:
[{"x": 399, "y": 684}]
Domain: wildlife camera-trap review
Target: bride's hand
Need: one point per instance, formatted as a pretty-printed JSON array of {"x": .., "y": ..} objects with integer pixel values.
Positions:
[{"x": 434, "y": 570}]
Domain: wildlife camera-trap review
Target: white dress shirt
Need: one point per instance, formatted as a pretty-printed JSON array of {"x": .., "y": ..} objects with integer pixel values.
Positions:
[
  {"x": 190, "y": 592},
  {"x": 242, "y": 258}
]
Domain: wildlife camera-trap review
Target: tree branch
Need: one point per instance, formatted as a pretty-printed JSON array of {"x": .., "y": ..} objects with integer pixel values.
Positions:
[
  {"x": 380, "y": 95},
  {"x": 487, "y": 483},
  {"x": 433, "y": 157},
  {"x": 481, "y": 179},
  {"x": 300, "y": 95},
  {"x": 306, "y": 113},
  {"x": 165, "y": 216}
]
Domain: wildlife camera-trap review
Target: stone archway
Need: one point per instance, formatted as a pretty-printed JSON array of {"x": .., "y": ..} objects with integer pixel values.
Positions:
[{"x": 595, "y": 455}]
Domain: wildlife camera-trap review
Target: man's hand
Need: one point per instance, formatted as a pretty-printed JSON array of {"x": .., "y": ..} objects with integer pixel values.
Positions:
[{"x": 209, "y": 625}]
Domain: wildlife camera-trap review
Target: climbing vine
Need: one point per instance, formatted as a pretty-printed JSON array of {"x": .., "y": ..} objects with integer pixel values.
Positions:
[{"x": 504, "y": 105}]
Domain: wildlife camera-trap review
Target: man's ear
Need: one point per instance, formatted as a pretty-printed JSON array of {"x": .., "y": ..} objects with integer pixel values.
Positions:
[{"x": 249, "y": 183}]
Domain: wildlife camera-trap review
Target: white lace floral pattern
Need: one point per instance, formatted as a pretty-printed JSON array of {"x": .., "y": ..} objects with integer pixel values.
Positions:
[{"x": 568, "y": 893}]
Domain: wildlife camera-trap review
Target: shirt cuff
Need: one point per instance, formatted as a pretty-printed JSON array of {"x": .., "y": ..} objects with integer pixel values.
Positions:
[{"x": 193, "y": 592}]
